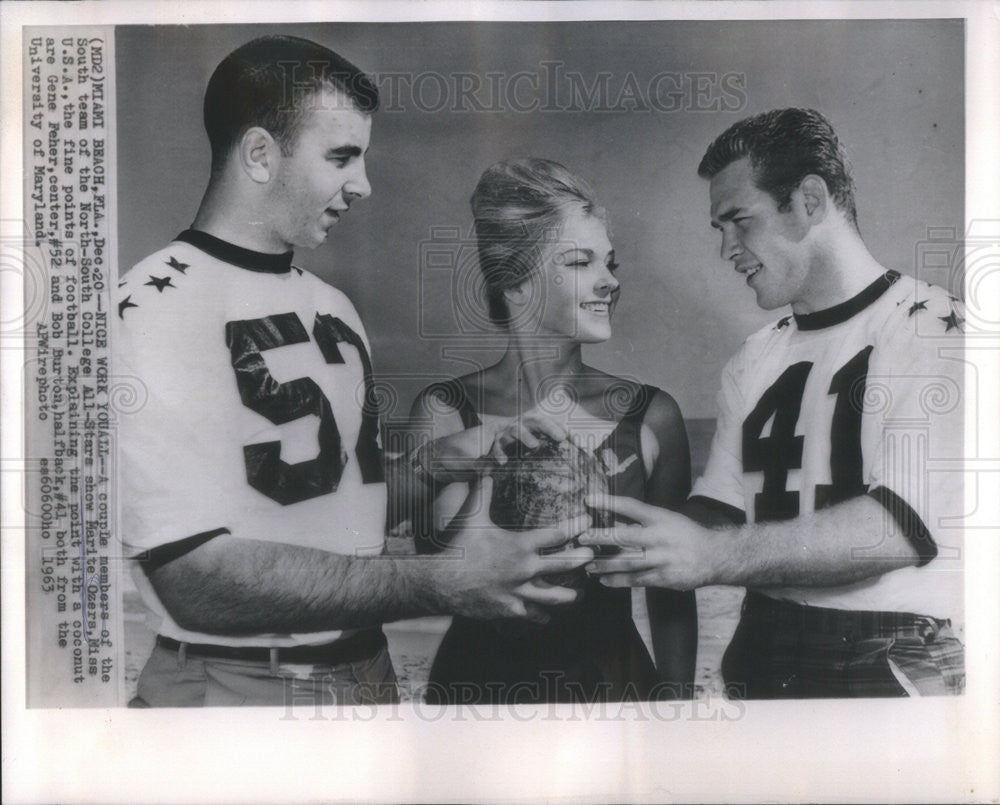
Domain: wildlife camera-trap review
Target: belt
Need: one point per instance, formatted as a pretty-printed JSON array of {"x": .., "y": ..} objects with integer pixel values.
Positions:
[
  {"x": 356, "y": 647},
  {"x": 854, "y": 624}
]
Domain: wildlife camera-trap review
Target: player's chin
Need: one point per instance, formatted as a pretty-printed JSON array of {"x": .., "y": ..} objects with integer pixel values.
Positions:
[
  {"x": 766, "y": 302},
  {"x": 309, "y": 239},
  {"x": 318, "y": 238}
]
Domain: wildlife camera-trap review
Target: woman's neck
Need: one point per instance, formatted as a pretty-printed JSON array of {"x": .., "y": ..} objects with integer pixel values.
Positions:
[{"x": 538, "y": 368}]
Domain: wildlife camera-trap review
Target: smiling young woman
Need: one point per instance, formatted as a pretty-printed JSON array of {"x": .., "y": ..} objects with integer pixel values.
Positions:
[{"x": 550, "y": 278}]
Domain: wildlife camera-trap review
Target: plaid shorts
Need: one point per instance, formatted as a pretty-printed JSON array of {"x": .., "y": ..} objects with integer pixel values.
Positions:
[{"x": 783, "y": 650}]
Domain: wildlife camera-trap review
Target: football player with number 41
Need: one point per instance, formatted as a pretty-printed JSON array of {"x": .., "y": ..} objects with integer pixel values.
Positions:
[
  {"x": 833, "y": 490},
  {"x": 253, "y": 494}
]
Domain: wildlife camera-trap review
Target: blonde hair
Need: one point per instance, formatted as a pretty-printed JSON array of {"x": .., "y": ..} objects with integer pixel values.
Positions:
[{"x": 518, "y": 207}]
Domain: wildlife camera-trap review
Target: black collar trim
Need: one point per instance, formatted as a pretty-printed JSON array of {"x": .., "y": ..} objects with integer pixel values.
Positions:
[
  {"x": 237, "y": 255},
  {"x": 845, "y": 310}
]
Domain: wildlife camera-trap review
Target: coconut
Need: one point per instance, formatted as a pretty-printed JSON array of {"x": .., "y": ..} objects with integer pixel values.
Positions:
[{"x": 543, "y": 485}]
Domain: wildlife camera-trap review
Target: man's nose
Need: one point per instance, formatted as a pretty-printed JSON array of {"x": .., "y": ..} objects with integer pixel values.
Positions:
[
  {"x": 359, "y": 186},
  {"x": 731, "y": 247}
]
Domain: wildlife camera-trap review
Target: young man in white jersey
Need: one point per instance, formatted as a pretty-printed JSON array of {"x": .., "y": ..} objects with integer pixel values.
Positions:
[
  {"x": 252, "y": 478},
  {"x": 833, "y": 487}
]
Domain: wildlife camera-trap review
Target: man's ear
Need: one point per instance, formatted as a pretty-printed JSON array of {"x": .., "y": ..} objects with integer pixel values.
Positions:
[
  {"x": 813, "y": 196},
  {"x": 258, "y": 153}
]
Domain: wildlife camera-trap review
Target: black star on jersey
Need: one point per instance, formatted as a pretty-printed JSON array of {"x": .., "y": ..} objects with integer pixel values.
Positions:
[
  {"x": 917, "y": 306},
  {"x": 952, "y": 321},
  {"x": 174, "y": 263},
  {"x": 124, "y": 305},
  {"x": 160, "y": 283}
]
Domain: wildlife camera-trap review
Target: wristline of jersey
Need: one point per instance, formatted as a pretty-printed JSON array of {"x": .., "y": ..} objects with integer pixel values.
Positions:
[{"x": 354, "y": 648}]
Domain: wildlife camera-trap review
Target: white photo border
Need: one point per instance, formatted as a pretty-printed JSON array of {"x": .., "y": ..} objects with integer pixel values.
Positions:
[{"x": 929, "y": 750}]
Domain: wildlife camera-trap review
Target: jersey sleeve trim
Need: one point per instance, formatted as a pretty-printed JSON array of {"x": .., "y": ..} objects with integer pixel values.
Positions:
[
  {"x": 737, "y": 515},
  {"x": 155, "y": 558},
  {"x": 909, "y": 521}
]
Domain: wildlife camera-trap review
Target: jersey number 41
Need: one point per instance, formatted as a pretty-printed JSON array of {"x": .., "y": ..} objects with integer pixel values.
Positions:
[{"x": 780, "y": 452}]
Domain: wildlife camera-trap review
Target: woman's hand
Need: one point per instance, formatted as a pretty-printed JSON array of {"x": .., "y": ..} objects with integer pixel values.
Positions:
[
  {"x": 473, "y": 452},
  {"x": 525, "y": 430}
]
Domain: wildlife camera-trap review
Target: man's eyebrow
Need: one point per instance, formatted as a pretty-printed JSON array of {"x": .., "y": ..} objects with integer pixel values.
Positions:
[
  {"x": 345, "y": 151},
  {"x": 728, "y": 215}
]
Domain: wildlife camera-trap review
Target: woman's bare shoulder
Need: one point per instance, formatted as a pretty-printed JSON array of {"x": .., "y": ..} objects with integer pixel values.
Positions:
[{"x": 476, "y": 389}]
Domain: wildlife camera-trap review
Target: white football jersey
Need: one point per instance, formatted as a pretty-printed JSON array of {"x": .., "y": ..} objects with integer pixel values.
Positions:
[
  {"x": 250, "y": 414},
  {"x": 863, "y": 398}
]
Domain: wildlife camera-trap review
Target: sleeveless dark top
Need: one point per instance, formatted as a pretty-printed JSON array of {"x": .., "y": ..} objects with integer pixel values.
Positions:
[{"x": 590, "y": 650}]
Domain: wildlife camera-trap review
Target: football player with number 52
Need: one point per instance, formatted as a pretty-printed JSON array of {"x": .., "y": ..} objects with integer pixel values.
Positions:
[{"x": 252, "y": 477}]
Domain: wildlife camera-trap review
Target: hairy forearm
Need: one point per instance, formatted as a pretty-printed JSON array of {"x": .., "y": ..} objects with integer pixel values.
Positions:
[
  {"x": 846, "y": 543},
  {"x": 239, "y": 587}
]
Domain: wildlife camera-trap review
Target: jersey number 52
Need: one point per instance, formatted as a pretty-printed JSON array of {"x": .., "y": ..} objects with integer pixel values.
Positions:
[{"x": 284, "y": 402}]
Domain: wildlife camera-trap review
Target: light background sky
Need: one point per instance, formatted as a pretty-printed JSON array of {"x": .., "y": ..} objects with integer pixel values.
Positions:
[{"x": 893, "y": 90}]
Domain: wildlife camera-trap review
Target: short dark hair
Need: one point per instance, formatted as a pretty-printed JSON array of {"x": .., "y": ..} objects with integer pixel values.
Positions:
[
  {"x": 519, "y": 205},
  {"x": 270, "y": 82},
  {"x": 784, "y": 146}
]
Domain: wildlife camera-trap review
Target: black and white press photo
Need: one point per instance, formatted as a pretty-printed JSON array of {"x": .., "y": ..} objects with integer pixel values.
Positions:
[{"x": 535, "y": 371}]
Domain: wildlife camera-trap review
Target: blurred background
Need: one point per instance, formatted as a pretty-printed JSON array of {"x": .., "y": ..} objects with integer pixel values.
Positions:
[{"x": 629, "y": 106}]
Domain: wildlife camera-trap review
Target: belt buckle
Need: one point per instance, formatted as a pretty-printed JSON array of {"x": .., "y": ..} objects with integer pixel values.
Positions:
[{"x": 927, "y": 628}]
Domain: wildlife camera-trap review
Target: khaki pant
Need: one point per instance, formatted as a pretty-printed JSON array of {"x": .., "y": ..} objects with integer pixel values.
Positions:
[{"x": 167, "y": 681}]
